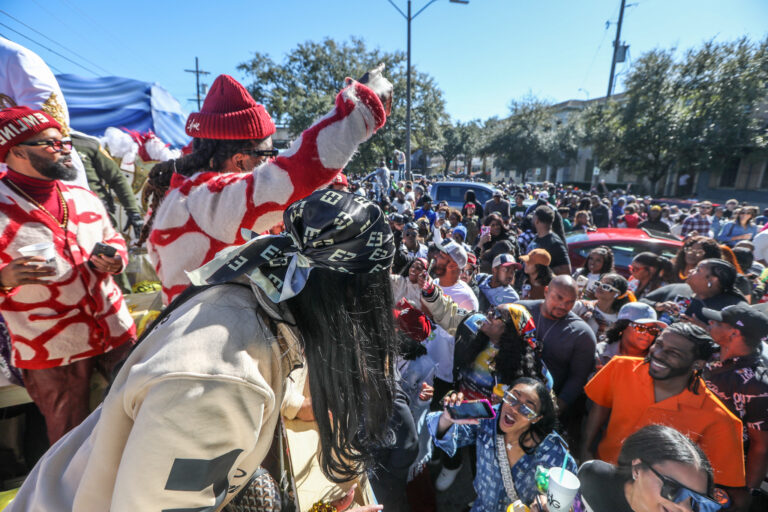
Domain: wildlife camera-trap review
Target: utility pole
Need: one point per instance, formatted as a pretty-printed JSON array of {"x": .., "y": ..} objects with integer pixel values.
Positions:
[
  {"x": 197, "y": 73},
  {"x": 409, "y": 18},
  {"x": 615, "y": 50}
]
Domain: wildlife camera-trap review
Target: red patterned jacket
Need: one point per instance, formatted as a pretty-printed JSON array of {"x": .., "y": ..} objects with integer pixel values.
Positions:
[
  {"x": 81, "y": 313},
  {"x": 202, "y": 214}
]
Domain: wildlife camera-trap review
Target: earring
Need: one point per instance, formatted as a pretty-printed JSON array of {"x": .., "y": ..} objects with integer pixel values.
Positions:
[{"x": 709, "y": 284}]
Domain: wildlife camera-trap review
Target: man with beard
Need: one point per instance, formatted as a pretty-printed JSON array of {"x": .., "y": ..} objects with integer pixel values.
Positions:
[
  {"x": 665, "y": 388},
  {"x": 496, "y": 288},
  {"x": 568, "y": 341},
  {"x": 64, "y": 312}
]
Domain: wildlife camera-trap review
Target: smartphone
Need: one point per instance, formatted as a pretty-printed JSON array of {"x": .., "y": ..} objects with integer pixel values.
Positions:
[
  {"x": 102, "y": 248},
  {"x": 472, "y": 410},
  {"x": 441, "y": 214},
  {"x": 484, "y": 230}
]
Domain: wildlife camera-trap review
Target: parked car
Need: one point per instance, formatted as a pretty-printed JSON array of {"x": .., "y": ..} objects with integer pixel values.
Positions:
[
  {"x": 453, "y": 192},
  {"x": 626, "y": 243}
]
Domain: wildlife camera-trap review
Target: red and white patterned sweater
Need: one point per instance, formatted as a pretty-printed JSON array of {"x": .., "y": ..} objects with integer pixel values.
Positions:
[
  {"x": 203, "y": 214},
  {"x": 82, "y": 313}
]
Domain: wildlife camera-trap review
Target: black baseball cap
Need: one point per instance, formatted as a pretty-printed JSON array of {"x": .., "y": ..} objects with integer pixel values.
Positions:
[
  {"x": 752, "y": 323},
  {"x": 427, "y": 198},
  {"x": 411, "y": 226}
]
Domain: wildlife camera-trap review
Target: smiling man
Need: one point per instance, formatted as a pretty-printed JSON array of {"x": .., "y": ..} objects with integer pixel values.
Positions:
[{"x": 665, "y": 388}]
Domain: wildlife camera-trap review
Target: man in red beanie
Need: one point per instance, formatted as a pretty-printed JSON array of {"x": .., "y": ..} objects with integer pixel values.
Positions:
[
  {"x": 64, "y": 312},
  {"x": 232, "y": 179}
]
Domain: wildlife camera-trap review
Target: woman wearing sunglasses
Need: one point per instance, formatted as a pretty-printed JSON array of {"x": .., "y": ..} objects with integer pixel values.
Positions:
[
  {"x": 599, "y": 262},
  {"x": 509, "y": 446},
  {"x": 742, "y": 227},
  {"x": 632, "y": 334},
  {"x": 694, "y": 249},
  {"x": 658, "y": 469},
  {"x": 611, "y": 292}
]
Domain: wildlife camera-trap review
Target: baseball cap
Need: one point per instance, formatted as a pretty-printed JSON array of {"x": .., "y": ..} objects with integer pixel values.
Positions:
[
  {"x": 752, "y": 323},
  {"x": 411, "y": 226},
  {"x": 497, "y": 193},
  {"x": 427, "y": 198},
  {"x": 340, "y": 179},
  {"x": 397, "y": 218},
  {"x": 504, "y": 260},
  {"x": 455, "y": 251},
  {"x": 544, "y": 195},
  {"x": 537, "y": 257},
  {"x": 640, "y": 313}
]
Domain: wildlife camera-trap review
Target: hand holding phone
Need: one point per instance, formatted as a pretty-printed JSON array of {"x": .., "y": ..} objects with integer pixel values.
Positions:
[{"x": 104, "y": 259}]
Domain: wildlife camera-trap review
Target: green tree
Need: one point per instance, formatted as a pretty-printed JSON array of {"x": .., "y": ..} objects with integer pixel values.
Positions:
[
  {"x": 302, "y": 87},
  {"x": 460, "y": 139},
  {"x": 697, "y": 114},
  {"x": 531, "y": 137}
]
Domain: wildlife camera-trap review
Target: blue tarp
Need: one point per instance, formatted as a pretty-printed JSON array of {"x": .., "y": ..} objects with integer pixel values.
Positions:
[{"x": 95, "y": 104}]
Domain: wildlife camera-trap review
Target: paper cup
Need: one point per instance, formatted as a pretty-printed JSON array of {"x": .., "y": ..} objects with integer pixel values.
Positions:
[
  {"x": 561, "y": 492},
  {"x": 44, "y": 249}
]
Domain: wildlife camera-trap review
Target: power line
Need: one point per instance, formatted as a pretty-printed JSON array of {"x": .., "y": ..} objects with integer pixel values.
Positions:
[
  {"x": 55, "y": 42},
  {"x": 49, "y": 65},
  {"x": 50, "y": 50}
]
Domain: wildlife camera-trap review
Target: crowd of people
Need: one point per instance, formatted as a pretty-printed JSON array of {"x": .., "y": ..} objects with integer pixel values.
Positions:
[{"x": 293, "y": 291}]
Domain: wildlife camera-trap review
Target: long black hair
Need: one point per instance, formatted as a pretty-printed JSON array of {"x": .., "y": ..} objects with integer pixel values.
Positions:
[
  {"x": 516, "y": 358},
  {"x": 349, "y": 342},
  {"x": 607, "y": 254},
  {"x": 655, "y": 444},
  {"x": 207, "y": 155},
  {"x": 547, "y": 423}
]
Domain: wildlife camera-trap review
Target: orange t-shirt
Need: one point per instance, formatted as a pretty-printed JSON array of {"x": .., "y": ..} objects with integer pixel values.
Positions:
[{"x": 625, "y": 387}]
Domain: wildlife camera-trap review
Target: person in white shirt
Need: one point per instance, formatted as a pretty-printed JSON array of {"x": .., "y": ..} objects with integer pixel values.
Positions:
[{"x": 761, "y": 247}]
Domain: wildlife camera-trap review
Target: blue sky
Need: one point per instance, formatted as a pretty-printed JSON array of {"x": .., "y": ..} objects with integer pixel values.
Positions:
[{"x": 482, "y": 55}]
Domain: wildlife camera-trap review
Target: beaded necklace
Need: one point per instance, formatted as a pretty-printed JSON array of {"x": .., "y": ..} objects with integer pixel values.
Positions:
[{"x": 29, "y": 198}]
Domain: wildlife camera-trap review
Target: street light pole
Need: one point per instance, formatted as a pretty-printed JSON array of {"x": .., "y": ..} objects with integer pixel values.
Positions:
[
  {"x": 408, "y": 172},
  {"x": 408, "y": 19}
]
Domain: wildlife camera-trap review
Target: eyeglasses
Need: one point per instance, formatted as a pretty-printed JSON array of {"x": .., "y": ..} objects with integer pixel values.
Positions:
[
  {"x": 676, "y": 492},
  {"x": 607, "y": 288},
  {"x": 695, "y": 252},
  {"x": 52, "y": 146},
  {"x": 511, "y": 400},
  {"x": 644, "y": 328},
  {"x": 269, "y": 153}
]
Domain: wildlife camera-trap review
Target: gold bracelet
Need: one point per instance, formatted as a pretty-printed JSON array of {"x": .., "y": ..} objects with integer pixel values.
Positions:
[{"x": 322, "y": 506}]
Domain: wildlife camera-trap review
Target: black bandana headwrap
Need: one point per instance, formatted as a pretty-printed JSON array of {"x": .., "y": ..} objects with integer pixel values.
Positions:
[{"x": 329, "y": 229}]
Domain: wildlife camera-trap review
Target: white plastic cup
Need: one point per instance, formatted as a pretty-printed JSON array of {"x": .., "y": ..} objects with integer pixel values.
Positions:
[
  {"x": 561, "y": 491},
  {"x": 44, "y": 249}
]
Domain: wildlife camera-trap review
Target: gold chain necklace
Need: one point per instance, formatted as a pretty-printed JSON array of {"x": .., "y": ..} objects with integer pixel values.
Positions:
[{"x": 63, "y": 203}]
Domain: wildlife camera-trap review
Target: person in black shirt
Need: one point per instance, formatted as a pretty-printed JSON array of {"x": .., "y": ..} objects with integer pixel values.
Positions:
[
  {"x": 740, "y": 379},
  {"x": 658, "y": 468},
  {"x": 543, "y": 217},
  {"x": 710, "y": 285},
  {"x": 654, "y": 222},
  {"x": 601, "y": 215}
]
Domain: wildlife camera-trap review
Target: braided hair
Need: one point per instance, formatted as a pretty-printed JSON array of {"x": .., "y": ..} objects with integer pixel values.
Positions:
[{"x": 207, "y": 155}]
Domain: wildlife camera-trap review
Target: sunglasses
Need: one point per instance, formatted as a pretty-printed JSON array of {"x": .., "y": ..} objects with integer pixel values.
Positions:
[
  {"x": 607, "y": 288},
  {"x": 269, "y": 153},
  {"x": 644, "y": 328},
  {"x": 695, "y": 252},
  {"x": 676, "y": 492},
  {"x": 511, "y": 400},
  {"x": 52, "y": 146}
]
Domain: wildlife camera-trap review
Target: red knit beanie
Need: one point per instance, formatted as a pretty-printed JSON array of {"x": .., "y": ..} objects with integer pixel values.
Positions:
[
  {"x": 18, "y": 124},
  {"x": 229, "y": 112}
]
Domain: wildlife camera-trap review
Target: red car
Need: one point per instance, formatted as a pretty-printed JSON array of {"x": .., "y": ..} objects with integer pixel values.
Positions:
[{"x": 626, "y": 243}]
